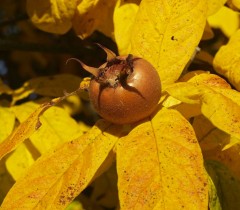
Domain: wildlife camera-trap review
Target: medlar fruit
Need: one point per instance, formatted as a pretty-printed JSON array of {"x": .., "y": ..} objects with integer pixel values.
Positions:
[{"x": 125, "y": 89}]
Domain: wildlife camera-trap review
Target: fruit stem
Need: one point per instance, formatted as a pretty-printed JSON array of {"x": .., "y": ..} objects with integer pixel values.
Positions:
[{"x": 90, "y": 69}]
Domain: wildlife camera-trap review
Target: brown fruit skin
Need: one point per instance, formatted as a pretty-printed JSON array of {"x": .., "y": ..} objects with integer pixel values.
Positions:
[{"x": 133, "y": 102}]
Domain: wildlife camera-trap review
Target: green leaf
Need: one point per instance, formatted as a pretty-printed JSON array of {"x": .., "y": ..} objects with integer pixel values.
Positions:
[
  {"x": 75, "y": 205},
  {"x": 214, "y": 203},
  {"x": 228, "y": 187}
]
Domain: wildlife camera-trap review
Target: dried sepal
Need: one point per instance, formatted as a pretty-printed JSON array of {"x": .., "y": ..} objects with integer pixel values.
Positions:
[
  {"x": 92, "y": 70},
  {"x": 110, "y": 54}
]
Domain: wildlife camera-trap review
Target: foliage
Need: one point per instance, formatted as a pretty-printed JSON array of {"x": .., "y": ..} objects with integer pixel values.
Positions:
[{"x": 186, "y": 155}]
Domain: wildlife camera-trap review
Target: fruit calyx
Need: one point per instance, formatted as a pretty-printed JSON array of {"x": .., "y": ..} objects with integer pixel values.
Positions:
[
  {"x": 115, "y": 72},
  {"x": 112, "y": 73}
]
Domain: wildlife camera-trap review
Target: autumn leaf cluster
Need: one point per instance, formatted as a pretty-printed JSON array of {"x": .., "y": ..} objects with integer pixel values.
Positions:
[{"x": 186, "y": 155}]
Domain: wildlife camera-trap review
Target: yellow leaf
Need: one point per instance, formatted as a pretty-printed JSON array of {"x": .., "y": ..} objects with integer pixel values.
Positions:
[
  {"x": 20, "y": 160},
  {"x": 227, "y": 60},
  {"x": 205, "y": 57},
  {"x": 216, "y": 138},
  {"x": 223, "y": 111},
  {"x": 52, "y": 16},
  {"x": 191, "y": 107},
  {"x": 191, "y": 74},
  {"x": 229, "y": 157},
  {"x": 185, "y": 92},
  {"x": 210, "y": 137},
  {"x": 225, "y": 19},
  {"x": 206, "y": 132},
  {"x": 6, "y": 181},
  {"x": 84, "y": 127},
  {"x": 215, "y": 5},
  {"x": 160, "y": 165},
  {"x": 187, "y": 110},
  {"x": 234, "y": 4},
  {"x": 57, "y": 177},
  {"x": 25, "y": 129},
  {"x": 210, "y": 80},
  {"x": 171, "y": 102},
  {"x": 208, "y": 33},
  {"x": 228, "y": 186},
  {"x": 105, "y": 192},
  {"x": 217, "y": 84},
  {"x": 123, "y": 18},
  {"x": 57, "y": 126},
  {"x": 4, "y": 88},
  {"x": 48, "y": 86},
  {"x": 166, "y": 33},
  {"x": 72, "y": 105},
  {"x": 131, "y": 1},
  {"x": 94, "y": 15},
  {"x": 6, "y": 123}
]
